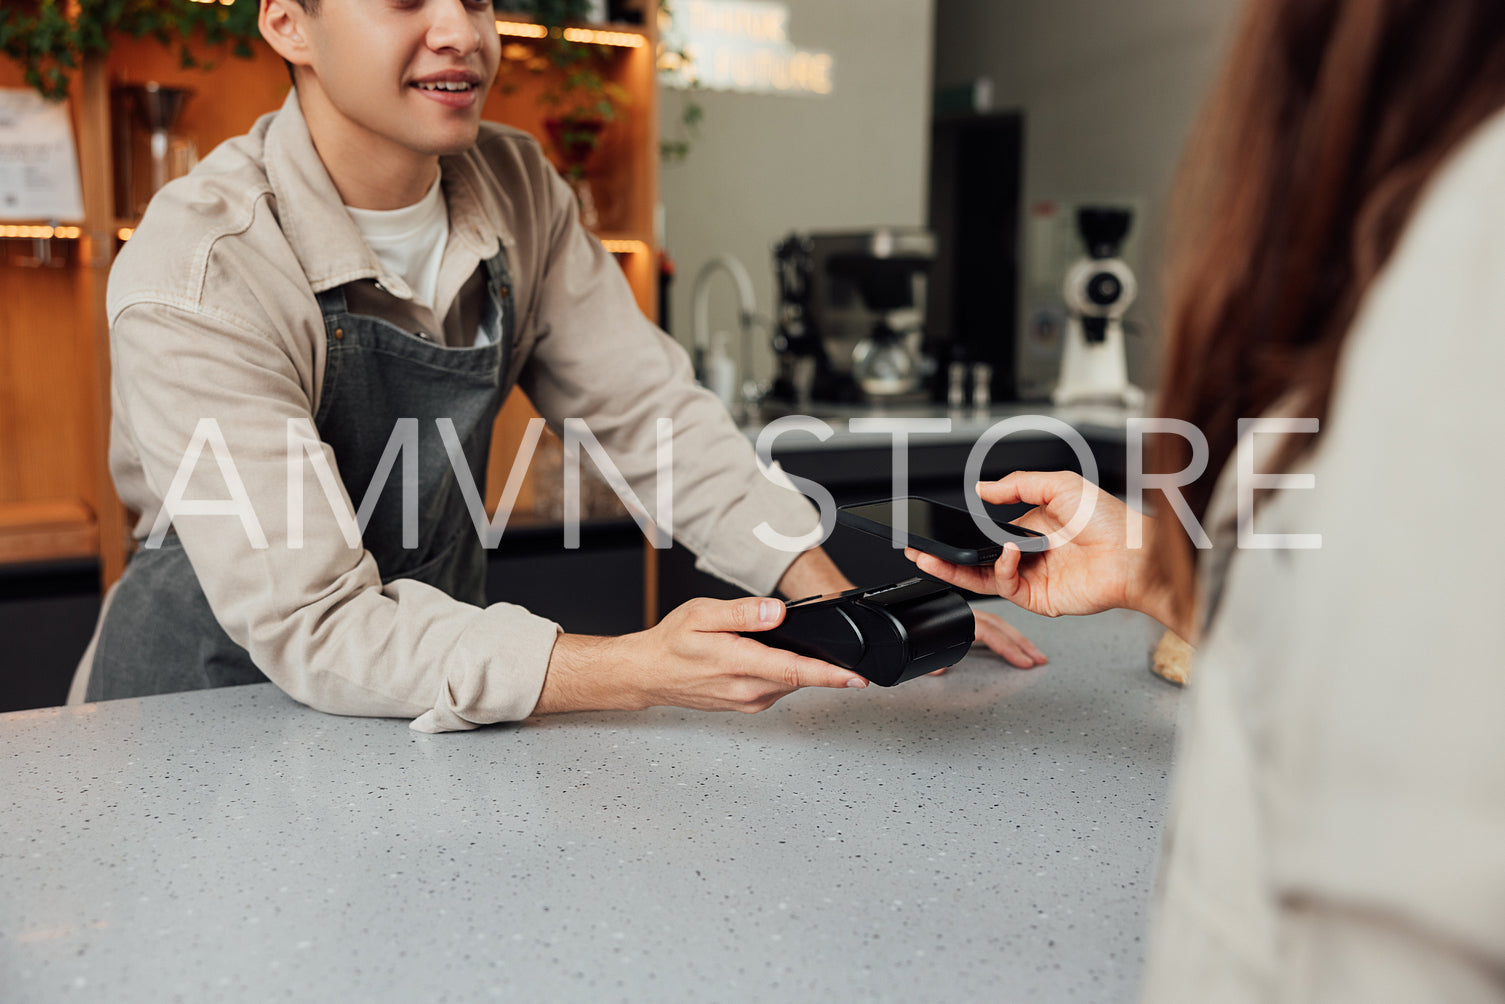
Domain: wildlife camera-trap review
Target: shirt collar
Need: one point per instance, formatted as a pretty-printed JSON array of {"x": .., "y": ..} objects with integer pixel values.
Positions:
[{"x": 326, "y": 241}]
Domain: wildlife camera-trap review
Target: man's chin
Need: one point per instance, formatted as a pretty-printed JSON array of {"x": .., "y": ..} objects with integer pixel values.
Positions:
[
  {"x": 456, "y": 141},
  {"x": 458, "y": 146}
]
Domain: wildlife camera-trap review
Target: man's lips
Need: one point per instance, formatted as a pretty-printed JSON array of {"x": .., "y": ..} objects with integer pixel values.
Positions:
[
  {"x": 448, "y": 80},
  {"x": 456, "y": 89}
]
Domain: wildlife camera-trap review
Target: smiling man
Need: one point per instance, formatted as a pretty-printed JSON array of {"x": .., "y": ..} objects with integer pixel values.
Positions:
[{"x": 370, "y": 255}]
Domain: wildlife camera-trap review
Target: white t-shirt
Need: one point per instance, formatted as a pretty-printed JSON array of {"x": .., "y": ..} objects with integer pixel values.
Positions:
[{"x": 410, "y": 242}]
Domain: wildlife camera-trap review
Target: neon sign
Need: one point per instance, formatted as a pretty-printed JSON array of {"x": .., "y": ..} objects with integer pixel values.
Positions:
[{"x": 740, "y": 45}]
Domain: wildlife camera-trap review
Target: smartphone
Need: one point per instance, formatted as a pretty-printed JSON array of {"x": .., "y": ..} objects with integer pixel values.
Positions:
[{"x": 942, "y": 530}]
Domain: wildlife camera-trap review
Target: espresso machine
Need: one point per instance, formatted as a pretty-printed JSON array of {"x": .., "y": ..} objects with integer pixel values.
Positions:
[{"x": 850, "y": 320}]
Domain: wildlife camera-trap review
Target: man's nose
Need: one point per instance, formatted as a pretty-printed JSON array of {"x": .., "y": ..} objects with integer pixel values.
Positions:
[{"x": 452, "y": 28}]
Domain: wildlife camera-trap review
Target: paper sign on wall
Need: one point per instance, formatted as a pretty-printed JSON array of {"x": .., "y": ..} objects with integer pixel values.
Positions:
[
  {"x": 38, "y": 162},
  {"x": 740, "y": 45}
]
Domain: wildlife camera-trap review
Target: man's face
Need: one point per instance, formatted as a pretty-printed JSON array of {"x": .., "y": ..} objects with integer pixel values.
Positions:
[{"x": 409, "y": 73}]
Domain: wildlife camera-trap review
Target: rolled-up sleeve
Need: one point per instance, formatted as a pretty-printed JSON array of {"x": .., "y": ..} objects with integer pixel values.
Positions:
[{"x": 317, "y": 619}]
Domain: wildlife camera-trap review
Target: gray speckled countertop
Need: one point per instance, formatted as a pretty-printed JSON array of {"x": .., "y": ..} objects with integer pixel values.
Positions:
[{"x": 986, "y": 835}]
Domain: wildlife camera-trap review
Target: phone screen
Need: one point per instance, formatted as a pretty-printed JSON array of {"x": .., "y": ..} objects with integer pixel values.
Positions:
[{"x": 942, "y": 523}]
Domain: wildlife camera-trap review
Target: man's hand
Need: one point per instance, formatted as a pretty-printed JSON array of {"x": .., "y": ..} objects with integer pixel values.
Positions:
[
  {"x": 694, "y": 658},
  {"x": 1005, "y": 640}
]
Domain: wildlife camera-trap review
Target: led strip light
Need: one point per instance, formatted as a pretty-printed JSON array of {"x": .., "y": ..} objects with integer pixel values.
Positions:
[
  {"x": 592, "y": 36},
  {"x": 624, "y": 247},
  {"x": 588, "y": 36},
  {"x": 43, "y": 232},
  {"x": 521, "y": 29}
]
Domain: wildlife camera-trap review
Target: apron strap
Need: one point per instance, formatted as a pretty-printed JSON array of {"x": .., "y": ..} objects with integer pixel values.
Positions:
[
  {"x": 498, "y": 275},
  {"x": 332, "y": 302}
]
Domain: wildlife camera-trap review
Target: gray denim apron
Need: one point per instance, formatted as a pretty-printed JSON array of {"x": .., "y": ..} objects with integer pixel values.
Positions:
[{"x": 159, "y": 635}]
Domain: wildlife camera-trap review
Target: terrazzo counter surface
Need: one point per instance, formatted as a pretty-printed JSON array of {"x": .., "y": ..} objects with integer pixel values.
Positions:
[{"x": 986, "y": 835}]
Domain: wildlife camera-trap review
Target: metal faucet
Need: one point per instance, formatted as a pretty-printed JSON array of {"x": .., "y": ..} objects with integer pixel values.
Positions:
[{"x": 700, "y": 294}]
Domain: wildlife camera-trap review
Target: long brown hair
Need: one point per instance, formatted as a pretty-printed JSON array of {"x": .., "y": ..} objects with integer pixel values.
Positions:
[{"x": 1328, "y": 120}]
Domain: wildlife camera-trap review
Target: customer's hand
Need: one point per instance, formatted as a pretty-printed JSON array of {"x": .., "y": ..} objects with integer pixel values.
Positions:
[
  {"x": 694, "y": 658},
  {"x": 1092, "y": 571}
]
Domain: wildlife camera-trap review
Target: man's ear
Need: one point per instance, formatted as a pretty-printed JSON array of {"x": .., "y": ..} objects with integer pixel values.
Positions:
[{"x": 282, "y": 24}]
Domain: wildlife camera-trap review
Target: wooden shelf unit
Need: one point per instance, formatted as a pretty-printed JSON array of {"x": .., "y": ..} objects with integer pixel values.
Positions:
[{"x": 56, "y": 497}]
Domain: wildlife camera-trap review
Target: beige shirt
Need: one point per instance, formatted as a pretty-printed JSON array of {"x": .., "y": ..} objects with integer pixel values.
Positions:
[
  {"x": 1337, "y": 830},
  {"x": 213, "y": 315}
]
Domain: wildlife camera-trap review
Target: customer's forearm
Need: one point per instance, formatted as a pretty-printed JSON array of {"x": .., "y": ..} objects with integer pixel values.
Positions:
[{"x": 1150, "y": 595}]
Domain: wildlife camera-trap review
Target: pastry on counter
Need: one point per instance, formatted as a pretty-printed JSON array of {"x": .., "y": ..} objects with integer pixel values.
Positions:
[{"x": 1172, "y": 658}]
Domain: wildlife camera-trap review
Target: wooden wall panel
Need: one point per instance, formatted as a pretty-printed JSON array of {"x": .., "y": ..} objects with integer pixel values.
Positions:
[
  {"x": 54, "y": 409},
  {"x": 624, "y": 177},
  {"x": 48, "y": 449},
  {"x": 227, "y": 100},
  {"x": 623, "y": 169},
  {"x": 45, "y": 396},
  {"x": 43, "y": 403},
  {"x": 96, "y": 252}
]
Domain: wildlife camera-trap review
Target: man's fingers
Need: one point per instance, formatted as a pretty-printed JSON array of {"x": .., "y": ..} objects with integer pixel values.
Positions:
[
  {"x": 1010, "y": 653},
  {"x": 755, "y": 613},
  {"x": 795, "y": 671},
  {"x": 1007, "y": 640}
]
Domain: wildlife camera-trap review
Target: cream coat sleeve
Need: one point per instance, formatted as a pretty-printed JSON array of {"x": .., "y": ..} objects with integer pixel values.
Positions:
[
  {"x": 1385, "y": 745},
  {"x": 1340, "y": 957},
  {"x": 316, "y": 619}
]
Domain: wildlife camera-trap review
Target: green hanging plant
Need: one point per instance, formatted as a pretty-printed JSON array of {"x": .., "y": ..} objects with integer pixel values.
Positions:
[
  {"x": 44, "y": 42},
  {"x": 673, "y": 57},
  {"x": 578, "y": 98},
  {"x": 49, "y": 45}
]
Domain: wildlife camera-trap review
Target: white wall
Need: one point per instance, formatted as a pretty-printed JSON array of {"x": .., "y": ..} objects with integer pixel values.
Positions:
[
  {"x": 1109, "y": 89},
  {"x": 767, "y": 165}
]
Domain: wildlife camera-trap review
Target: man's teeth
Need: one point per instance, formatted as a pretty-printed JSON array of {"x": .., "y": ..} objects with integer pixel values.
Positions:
[{"x": 446, "y": 85}]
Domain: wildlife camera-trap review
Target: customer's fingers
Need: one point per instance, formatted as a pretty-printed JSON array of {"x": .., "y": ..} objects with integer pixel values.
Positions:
[
  {"x": 1006, "y": 579},
  {"x": 1035, "y": 488},
  {"x": 977, "y": 578}
]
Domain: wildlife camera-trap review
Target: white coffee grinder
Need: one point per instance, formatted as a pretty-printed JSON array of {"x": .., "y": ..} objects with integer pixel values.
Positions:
[{"x": 1098, "y": 291}]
